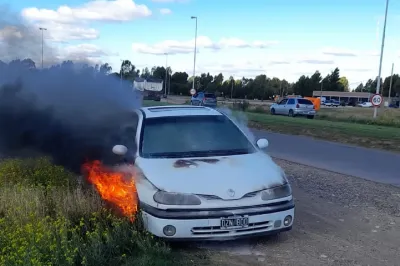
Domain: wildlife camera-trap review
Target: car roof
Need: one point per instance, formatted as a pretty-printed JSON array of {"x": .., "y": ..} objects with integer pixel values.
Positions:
[{"x": 177, "y": 110}]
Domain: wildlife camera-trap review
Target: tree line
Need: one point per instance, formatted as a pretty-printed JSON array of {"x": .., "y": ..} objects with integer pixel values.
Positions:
[{"x": 261, "y": 87}]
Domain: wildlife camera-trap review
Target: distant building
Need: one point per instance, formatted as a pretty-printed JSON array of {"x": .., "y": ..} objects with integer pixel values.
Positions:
[{"x": 344, "y": 96}]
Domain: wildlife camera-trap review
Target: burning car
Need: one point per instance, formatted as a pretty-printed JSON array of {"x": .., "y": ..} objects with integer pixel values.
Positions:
[{"x": 203, "y": 178}]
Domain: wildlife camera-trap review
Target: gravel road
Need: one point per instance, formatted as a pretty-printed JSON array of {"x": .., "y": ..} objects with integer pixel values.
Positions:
[{"x": 340, "y": 220}]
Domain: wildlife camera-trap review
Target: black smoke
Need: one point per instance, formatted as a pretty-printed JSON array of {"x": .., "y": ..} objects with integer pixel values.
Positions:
[{"x": 69, "y": 112}]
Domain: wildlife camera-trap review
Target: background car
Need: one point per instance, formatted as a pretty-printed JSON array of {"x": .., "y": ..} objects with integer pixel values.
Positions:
[
  {"x": 294, "y": 107},
  {"x": 203, "y": 178},
  {"x": 204, "y": 99},
  {"x": 332, "y": 103},
  {"x": 365, "y": 104}
]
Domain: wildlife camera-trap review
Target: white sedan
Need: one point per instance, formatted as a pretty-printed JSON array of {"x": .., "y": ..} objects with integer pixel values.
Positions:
[
  {"x": 204, "y": 179},
  {"x": 365, "y": 104}
]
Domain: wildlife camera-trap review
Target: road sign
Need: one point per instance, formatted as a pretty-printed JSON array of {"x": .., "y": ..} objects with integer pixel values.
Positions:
[
  {"x": 192, "y": 91},
  {"x": 376, "y": 100}
]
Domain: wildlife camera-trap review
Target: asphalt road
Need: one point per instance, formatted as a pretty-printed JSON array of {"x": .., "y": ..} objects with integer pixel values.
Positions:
[{"x": 370, "y": 164}]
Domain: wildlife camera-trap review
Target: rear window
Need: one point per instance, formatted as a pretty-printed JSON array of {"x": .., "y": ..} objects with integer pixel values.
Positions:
[
  {"x": 304, "y": 101},
  {"x": 209, "y": 95}
]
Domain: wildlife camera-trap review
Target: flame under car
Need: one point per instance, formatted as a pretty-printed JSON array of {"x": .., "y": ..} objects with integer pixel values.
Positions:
[{"x": 202, "y": 178}]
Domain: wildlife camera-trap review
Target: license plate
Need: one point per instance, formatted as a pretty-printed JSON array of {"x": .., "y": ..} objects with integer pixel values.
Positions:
[{"x": 234, "y": 222}]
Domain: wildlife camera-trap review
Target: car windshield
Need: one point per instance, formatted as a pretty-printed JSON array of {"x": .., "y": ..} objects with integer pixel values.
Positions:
[
  {"x": 209, "y": 95},
  {"x": 192, "y": 136}
]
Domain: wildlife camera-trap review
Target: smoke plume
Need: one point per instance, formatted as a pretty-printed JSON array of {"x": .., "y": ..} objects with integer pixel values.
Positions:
[{"x": 70, "y": 113}]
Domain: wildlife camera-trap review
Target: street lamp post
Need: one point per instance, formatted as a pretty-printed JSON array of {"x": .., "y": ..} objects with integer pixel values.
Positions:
[
  {"x": 378, "y": 83},
  {"x": 391, "y": 80},
  {"x": 195, "y": 52},
  {"x": 166, "y": 73},
  {"x": 42, "y": 29}
]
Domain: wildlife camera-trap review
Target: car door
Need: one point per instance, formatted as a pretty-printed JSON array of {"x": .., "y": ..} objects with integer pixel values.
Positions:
[
  {"x": 289, "y": 105},
  {"x": 281, "y": 106}
]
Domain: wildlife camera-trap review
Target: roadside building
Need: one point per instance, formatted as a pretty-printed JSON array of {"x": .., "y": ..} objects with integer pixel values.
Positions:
[{"x": 341, "y": 96}]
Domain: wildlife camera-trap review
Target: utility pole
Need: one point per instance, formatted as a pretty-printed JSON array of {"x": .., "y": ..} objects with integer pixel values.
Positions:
[
  {"x": 378, "y": 83},
  {"x": 42, "y": 29},
  {"x": 166, "y": 72},
  {"x": 232, "y": 88},
  {"x": 391, "y": 79},
  {"x": 195, "y": 52},
  {"x": 322, "y": 85}
]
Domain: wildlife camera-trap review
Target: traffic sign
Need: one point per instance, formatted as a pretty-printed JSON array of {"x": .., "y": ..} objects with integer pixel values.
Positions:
[
  {"x": 192, "y": 91},
  {"x": 376, "y": 100}
]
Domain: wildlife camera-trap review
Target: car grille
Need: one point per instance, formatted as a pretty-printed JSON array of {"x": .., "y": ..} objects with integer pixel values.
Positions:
[
  {"x": 212, "y": 197},
  {"x": 217, "y": 230}
]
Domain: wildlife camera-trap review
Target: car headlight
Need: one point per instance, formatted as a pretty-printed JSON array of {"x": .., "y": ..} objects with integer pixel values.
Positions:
[
  {"x": 277, "y": 192},
  {"x": 170, "y": 198}
]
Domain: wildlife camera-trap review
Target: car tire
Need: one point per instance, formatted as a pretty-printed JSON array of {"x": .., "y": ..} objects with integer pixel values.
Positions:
[
  {"x": 273, "y": 111},
  {"x": 310, "y": 117},
  {"x": 291, "y": 114}
]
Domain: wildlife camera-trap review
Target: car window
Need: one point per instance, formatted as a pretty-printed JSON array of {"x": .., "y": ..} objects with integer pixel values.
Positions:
[
  {"x": 283, "y": 101},
  {"x": 304, "y": 101},
  {"x": 290, "y": 101},
  {"x": 209, "y": 95},
  {"x": 190, "y": 136}
]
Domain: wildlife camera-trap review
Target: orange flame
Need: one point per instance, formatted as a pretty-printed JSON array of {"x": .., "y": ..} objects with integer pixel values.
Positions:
[{"x": 113, "y": 187}]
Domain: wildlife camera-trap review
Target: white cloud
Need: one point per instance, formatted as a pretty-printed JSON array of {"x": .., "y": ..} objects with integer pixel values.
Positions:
[
  {"x": 54, "y": 32},
  {"x": 99, "y": 10},
  {"x": 165, "y": 11},
  {"x": 185, "y": 47},
  {"x": 339, "y": 52}
]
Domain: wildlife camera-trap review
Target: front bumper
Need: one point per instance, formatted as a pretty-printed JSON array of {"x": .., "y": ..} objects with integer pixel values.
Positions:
[{"x": 206, "y": 224}]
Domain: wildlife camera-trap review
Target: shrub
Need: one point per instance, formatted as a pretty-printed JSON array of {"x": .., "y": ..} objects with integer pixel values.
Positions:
[
  {"x": 242, "y": 105},
  {"x": 35, "y": 172},
  {"x": 47, "y": 218}
]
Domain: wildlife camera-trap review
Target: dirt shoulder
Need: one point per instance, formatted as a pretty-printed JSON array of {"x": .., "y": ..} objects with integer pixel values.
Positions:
[{"x": 340, "y": 220}]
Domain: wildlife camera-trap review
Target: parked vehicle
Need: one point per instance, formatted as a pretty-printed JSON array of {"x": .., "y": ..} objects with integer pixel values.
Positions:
[
  {"x": 202, "y": 178},
  {"x": 204, "y": 99},
  {"x": 365, "y": 104},
  {"x": 332, "y": 103},
  {"x": 294, "y": 107},
  {"x": 150, "y": 88}
]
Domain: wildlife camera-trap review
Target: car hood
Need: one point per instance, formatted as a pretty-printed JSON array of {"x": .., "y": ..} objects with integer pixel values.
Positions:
[{"x": 213, "y": 175}]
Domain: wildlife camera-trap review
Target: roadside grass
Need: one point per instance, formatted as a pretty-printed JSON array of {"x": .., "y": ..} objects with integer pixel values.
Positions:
[
  {"x": 371, "y": 136},
  {"x": 48, "y": 218},
  {"x": 389, "y": 117}
]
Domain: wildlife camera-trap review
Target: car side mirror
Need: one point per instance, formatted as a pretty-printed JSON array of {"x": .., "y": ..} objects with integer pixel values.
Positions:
[
  {"x": 120, "y": 150},
  {"x": 262, "y": 143}
]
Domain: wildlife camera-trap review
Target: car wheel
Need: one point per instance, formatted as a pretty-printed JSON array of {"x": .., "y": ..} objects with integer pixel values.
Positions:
[
  {"x": 310, "y": 117},
  {"x": 291, "y": 114},
  {"x": 272, "y": 111}
]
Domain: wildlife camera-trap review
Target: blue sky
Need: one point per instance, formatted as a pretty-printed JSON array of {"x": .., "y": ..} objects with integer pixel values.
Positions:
[{"x": 240, "y": 38}]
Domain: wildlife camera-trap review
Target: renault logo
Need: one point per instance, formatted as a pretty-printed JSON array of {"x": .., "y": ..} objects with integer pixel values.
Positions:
[{"x": 231, "y": 193}]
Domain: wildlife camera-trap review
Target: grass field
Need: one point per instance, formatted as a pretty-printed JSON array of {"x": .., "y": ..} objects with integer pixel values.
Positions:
[
  {"x": 371, "y": 136},
  {"x": 344, "y": 125},
  {"x": 386, "y": 116},
  {"x": 47, "y": 218}
]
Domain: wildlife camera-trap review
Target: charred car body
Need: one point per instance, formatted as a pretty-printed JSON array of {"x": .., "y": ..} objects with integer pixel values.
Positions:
[{"x": 202, "y": 177}]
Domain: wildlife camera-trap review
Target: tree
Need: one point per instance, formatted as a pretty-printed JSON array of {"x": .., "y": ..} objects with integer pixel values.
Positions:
[
  {"x": 105, "y": 69},
  {"x": 344, "y": 84},
  {"x": 359, "y": 88}
]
